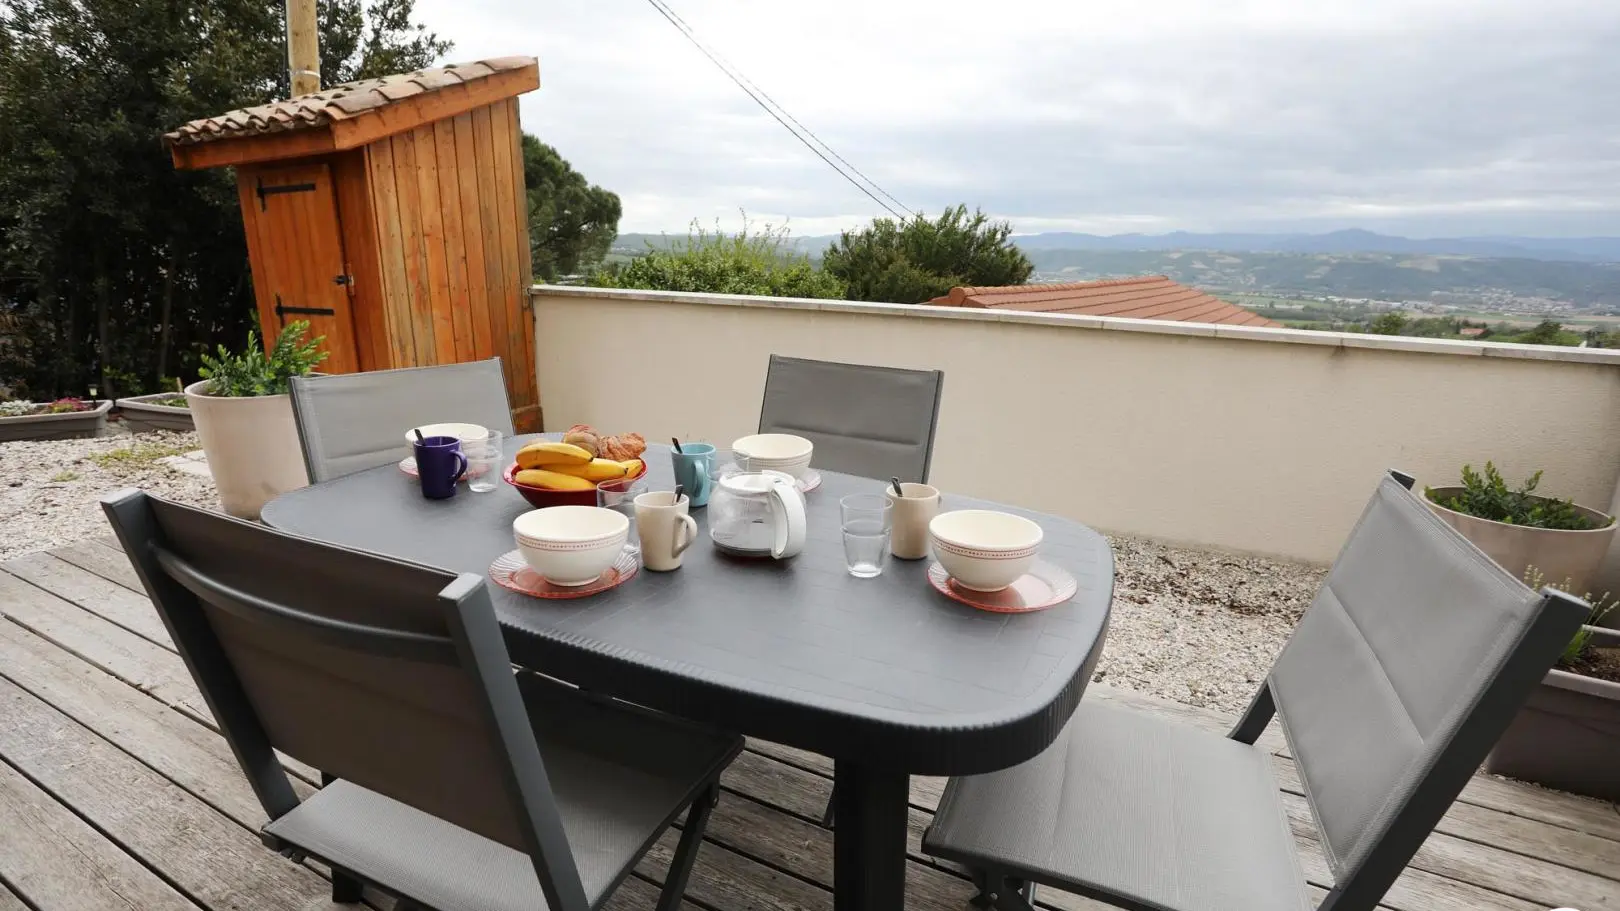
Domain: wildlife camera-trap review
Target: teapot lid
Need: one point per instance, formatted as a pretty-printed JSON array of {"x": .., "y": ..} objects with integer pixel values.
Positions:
[{"x": 754, "y": 483}]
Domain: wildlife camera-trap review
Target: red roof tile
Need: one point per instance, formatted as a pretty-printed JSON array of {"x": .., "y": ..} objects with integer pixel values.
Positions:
[
  {"x": 1148, "y": 297},
  {"x": 338, "y": 102}
]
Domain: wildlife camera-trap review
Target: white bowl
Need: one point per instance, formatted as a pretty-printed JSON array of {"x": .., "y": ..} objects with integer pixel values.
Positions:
[
  {"x": 468, "y": 432},
  {"x": 571, "y": 545},
  {"x": 982, "y": 549},
  {"x": 782, "y": 452}
]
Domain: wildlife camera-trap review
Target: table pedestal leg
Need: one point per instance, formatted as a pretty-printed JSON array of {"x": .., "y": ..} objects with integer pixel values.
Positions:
[{"x": 869, "y": 844}]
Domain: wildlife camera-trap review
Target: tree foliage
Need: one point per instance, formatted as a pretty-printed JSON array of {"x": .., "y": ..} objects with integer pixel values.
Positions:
[
  {"x": 572, "y": 222},
  {"x": 1391, "y": 323},
  {"x": 759, "y": 263},
  {"x": 115, "y": 268},
  {"x": 914, "y": 260}
]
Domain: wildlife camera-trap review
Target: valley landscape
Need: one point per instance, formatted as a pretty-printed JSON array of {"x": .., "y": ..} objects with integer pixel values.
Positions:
[{"x": 1339, "y": 279}]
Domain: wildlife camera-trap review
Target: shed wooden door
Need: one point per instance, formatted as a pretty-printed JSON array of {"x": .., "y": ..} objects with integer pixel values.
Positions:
[{"x": 296, "y": 248}]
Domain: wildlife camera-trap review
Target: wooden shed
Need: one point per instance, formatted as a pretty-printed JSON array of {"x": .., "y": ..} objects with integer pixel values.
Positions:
[{"x": 391, "y": 214}]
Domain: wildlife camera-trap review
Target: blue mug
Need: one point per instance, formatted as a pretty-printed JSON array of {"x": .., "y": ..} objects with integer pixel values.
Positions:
[
  {"x": 439, "y": 465},
  {"x": 694, "y": 465}
]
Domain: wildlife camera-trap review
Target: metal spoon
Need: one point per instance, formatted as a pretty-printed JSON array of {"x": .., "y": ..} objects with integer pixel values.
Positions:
[
  {"x": 897, "y": 491},
  {"x": 418, "y": 432},
  {"x": 677, "y": 445},
  {"x": 680, "y": 491}
]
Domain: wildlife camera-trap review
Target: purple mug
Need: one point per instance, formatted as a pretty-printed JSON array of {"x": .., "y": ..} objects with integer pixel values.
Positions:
[{"x": 439, "y": 465}]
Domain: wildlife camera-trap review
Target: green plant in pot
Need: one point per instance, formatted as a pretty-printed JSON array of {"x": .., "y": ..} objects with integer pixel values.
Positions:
[
  {"x": 1520, "y": 528},
  {"x": 244, "y": 418},
  {"x": 1567, "y": 734}
]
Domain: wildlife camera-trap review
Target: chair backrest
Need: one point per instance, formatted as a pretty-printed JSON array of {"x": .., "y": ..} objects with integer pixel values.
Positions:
[
  {"x": 1401, "y": 675},
  {"x": 877, "y": 422},
  {"x": 349, "y": 422},
  {"x": 387, "y": 674}
]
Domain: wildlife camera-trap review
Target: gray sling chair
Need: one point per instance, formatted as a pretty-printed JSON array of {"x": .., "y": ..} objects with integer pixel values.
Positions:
[
  {"x": 348, "y": 422},
  {"x": 457, "y": 784},
  {"x": 876, "y": 422},
  {"x": 1413, "y": 658}
]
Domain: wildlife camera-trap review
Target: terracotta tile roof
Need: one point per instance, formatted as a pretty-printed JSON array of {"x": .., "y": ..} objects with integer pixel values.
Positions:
[
  {"x": 339, "y": 102},
  {"x": 1148, "y": 297}
]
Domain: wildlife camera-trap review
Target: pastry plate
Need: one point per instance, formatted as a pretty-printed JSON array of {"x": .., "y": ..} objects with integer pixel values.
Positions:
[
  {"x": 1044, "y": 586},
  {"x": 510, "y": 571}
]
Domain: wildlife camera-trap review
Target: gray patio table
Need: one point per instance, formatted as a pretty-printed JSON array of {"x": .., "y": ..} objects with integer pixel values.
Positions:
[{"x": 886, "y": 676}]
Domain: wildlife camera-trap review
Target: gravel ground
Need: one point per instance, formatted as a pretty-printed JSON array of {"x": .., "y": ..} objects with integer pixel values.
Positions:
[
  {"x": 1197, "y": 627},
  {"x": 49, "y": 489}
]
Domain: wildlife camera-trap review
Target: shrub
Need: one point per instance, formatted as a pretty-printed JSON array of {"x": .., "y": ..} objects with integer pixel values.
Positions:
[
  {"x": 254, "y": 373},
  {"x": 1488, "y": 496},
  {"x": 760, "y": 263},
  {"x": 915, "y": 260}
]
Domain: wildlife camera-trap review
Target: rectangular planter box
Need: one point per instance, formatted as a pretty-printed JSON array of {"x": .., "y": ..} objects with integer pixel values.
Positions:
[
  {"x": 1567, "y": 735},
  {"x": 141, "y": 414},
  {"x": 56, "y": 426}
]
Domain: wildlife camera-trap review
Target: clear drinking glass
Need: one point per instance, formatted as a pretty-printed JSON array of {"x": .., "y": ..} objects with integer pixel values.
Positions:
[
  {"x": 485, "y": 462},
  {"x": 866, "y": 533},
  {"x": 620, "y": 496}
]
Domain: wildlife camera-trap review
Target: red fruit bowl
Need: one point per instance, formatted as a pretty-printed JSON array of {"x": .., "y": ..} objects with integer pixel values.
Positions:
[{"x": 541, "y": 497}]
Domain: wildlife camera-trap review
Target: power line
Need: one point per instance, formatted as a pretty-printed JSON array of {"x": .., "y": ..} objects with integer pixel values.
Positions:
[
  {"x": 785, "y": 113},
  {"x": 742, "y": 82}
]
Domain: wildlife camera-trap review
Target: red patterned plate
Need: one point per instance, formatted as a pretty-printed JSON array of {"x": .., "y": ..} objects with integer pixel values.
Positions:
[
  {"x": 408, "y": 465},
  {"x": 510, "y": 571},
  {"x": 1042, "y": 587}
]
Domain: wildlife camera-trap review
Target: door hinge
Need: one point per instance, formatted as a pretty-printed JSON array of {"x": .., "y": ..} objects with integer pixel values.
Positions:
[
  {"x": 264, "y": 191},
  {"x": 282, "y": 310}
]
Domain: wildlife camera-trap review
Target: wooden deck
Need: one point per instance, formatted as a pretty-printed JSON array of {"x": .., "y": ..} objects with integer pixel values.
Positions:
[{"x": 116, "y": 792}]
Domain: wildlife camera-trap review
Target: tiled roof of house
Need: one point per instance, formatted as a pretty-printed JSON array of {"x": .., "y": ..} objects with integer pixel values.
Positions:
[
  {"x": 339, "y": 102},
  {"x": 1148, "y": 297}
]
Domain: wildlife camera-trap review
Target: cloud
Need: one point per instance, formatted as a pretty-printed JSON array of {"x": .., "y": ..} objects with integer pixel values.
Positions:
[{"x": 1422, "y": 116}]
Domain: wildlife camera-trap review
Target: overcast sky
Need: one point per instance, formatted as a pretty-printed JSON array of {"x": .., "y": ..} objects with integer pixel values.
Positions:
[{"x": 1422, "y": 117}]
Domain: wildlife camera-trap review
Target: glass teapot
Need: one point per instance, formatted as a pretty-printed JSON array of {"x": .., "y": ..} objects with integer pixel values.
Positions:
[{"x": 757, "y": 514}]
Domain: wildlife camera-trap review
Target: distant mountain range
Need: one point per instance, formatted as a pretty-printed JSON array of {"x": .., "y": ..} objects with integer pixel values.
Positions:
[
  {"x": 1553, "y": 249},
  {"x": 1569, "y": 249}
]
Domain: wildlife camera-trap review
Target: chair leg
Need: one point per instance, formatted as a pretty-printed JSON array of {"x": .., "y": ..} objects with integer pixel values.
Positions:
[
  {"x": 680, "y": 867},
  {"x": 827, "y": 814},
  {"x": 346, "y": 888}
]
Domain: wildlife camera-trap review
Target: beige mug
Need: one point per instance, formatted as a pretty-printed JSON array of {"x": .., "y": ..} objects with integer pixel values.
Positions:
[
  {"x": 909, "y": 517},
  {"x": 665, "y": 529}
]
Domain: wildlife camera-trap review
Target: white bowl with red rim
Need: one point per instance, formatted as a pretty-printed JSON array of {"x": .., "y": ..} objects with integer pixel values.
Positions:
[
  {"x": 982, "y": 549},
  {"x": 782, "y": 452},
  {"x": 467, "y": 433},
  {"x": 571, "y": 545}
]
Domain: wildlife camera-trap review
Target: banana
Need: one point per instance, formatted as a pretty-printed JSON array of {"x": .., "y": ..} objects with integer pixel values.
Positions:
[
  {"x": 595, "y": 470},
  {"x": 547, "y": 455},
  {"x": 551, "y": 480},
  {"x": 634, "y": 468}
]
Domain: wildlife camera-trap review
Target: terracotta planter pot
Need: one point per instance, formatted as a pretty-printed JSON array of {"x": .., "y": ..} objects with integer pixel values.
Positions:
[
  {"x": 1560, "y": 555},
  {"x": 1567, "y": 735},
  {"x": 142, "y": 413},
  {"x": 252, "y": 447},
  {"x": 74, "y": 425}
]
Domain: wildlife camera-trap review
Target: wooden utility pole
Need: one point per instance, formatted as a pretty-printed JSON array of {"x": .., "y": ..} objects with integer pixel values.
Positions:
[{"x": 303, "y": 47}]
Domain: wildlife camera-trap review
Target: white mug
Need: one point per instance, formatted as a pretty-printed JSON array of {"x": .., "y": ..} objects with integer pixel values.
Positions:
[
  {"x": 665, "y": 528},
  {"x": 910, "y": 514}
]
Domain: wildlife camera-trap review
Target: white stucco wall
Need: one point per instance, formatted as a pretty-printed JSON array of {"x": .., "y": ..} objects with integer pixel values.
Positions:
[{"x": 1262, "y": 440}]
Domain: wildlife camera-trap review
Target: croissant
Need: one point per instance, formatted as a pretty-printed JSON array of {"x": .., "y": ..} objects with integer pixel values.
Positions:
[
  {"x": 620, "y": 448},
  {"x": 623, "y": 447}
]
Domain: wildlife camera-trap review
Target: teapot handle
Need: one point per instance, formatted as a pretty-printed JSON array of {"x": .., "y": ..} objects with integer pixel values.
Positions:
[{"x": 788, "y": 519}]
